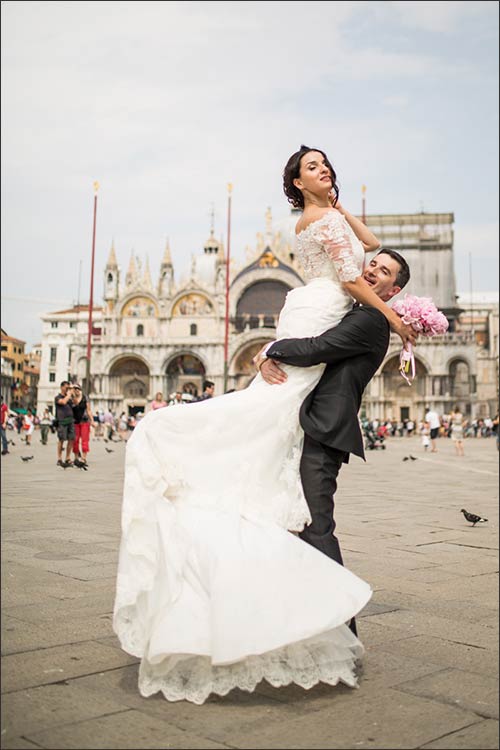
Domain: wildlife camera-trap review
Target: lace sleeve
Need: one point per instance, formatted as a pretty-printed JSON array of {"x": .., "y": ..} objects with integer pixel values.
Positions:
[{"x": 333, "y": 234}]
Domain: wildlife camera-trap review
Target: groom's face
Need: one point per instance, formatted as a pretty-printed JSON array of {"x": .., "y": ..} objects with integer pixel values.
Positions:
[{"x": 381, "y": 274}]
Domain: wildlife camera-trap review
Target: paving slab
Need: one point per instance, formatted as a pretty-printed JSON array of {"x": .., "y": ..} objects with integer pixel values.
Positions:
[
  {"x": 390, "y": 720},
  {"x": 17, "y": 743},
  {"x": 239, "y": 707},
  {"x": 127, "y": 730},
  {"x": 48, "y": 665},
  {"x": 430, "y": 630},
  {"x": 445, "y": 652},
  {"x": 469, "y": 690},
  {"x": 70, "y": 629},
  {"x": 423, "y": 623},
  {"x": 480, "y": 736},
  {"x": 28, "y": 711}
]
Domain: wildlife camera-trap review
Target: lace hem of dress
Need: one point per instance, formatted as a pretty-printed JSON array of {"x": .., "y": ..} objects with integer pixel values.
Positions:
[{"x": 331, "y": 657}]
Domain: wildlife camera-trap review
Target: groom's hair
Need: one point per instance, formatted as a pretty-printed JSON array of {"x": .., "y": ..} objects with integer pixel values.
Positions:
[{"x": 403, "y": 276}]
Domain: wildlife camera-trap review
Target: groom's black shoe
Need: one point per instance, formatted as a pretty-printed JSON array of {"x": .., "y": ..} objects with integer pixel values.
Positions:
[{"x": 352, "y": 627}]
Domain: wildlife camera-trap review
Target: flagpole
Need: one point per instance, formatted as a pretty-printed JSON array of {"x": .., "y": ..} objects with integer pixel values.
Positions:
[
  {"x": 91, "y": 300},
  {"x": 226, "y": 334}
]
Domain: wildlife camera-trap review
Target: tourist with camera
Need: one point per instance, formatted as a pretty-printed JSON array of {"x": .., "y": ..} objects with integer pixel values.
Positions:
[{"x": 65, "y": 423}]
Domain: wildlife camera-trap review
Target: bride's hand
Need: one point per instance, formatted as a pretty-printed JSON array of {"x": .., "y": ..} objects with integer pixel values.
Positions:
[
  {"x": 407, "y": 333},
  {"x": 331, "y": 198}
]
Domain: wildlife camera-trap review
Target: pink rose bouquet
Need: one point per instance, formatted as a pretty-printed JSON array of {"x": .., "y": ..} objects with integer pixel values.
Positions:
[{"x": 423, "y": 316}]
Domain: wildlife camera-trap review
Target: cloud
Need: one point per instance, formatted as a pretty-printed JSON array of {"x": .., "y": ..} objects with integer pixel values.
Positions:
[{"x": 442, "y": 16}]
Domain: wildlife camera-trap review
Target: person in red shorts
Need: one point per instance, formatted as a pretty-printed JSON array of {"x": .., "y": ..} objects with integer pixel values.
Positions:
[
  {"x": 84, "y": 419},
  {"x": 5, "y": 416}
]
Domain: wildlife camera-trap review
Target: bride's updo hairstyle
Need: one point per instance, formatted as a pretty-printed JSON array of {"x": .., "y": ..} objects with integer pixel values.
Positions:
[{"x": 292, "y": 172}]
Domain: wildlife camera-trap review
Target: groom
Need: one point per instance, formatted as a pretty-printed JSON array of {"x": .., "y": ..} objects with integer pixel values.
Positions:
[{"x": 352, "y": 351}]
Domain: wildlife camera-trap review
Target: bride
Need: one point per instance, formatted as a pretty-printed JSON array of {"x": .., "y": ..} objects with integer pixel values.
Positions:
[{"x": 213, "y": 591}]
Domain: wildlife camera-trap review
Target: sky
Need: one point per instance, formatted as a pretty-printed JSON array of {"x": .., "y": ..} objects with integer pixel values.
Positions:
[{"x": 165, "y": 103}]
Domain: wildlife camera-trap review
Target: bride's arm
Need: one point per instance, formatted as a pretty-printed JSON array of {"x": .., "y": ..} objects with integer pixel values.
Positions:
[
  {"x": 369, "y": 241},
  {"x": 333, "y": 236}
]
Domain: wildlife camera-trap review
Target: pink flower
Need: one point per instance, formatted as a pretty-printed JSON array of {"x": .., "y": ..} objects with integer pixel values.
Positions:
[{"x": 423, "y": 316}]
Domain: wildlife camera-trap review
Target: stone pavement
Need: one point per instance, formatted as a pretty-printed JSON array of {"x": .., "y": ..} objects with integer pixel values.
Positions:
[{"x": 430, "y": 631}]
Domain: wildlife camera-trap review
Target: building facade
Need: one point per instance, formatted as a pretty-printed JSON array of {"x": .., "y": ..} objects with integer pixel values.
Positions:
[{"x": 167, "y": 336}]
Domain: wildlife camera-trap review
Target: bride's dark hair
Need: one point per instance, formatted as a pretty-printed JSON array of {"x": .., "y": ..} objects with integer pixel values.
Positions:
[{"x": 292, "y": 172}]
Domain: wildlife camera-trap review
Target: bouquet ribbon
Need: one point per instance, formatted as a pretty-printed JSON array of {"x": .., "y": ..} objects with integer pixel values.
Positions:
[{"x": 407, "y": 364}]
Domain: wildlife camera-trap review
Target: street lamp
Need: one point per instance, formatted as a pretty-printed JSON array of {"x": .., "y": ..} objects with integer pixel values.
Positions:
[
  {"x": 91, "y": 300},
  {"x": 226, "y": 335}
]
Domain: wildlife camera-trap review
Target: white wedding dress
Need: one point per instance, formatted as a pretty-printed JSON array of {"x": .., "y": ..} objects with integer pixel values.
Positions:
[{"x": 213, "y": 591}]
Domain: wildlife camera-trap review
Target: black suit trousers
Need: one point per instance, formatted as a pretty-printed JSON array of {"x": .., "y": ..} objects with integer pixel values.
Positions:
[{"x": 319, "y": 468}]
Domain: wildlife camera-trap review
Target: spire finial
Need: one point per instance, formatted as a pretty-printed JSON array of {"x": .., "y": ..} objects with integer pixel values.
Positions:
[
  {"x": 212, "y": 219},
  {"x": 167, "y": 258},
  {"x": 112, "y": 256},
  {"x": 146, "y": 279},
  {"x": 131, "y": 276},
  {"x": 269, "y": 227}
]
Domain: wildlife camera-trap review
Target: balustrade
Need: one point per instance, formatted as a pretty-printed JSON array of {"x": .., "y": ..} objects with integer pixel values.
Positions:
[
  {"x": 241, "y": 323},
  {"x": 457, "y": 337}
]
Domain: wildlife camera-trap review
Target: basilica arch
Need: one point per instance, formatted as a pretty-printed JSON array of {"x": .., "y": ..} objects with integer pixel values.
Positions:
[
  {"x": 185, "y": 372},
  {"x": 400, "y": 400},
  {"x": 461, "y": 383},
  {"x": 260, "y": 303},
  {"x": 241, "y": 368},
  {"x": 129, "y": 382},
  {"x": 192, "y": 303}
]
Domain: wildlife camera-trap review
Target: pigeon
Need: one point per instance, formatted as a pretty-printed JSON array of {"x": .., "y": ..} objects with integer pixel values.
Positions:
[
  {"x": 11, "y": 442},
  {"x": 80, "y": 464},
  {"x": 26, "y": 458},
  {"x": 472, "y": 518},
  {"x": 406, "y": 458},
  {"x": 109, "y": 450},
  {"x": 413, "y": 458}
]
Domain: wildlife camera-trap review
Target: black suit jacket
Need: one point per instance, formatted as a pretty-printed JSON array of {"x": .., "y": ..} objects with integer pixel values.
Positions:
[{"x": 353, "y": 351}]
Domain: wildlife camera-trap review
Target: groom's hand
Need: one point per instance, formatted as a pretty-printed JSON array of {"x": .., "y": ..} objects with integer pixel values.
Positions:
[
  {"x": 260, "y": 357},
  {"x": 272, "y": 372}
]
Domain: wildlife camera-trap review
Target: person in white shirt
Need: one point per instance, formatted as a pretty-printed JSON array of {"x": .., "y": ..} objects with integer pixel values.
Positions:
[{"x": 434, "y": 424}]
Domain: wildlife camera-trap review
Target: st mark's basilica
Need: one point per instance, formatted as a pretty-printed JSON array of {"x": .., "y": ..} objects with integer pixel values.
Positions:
[{"x": 167, "y": 336}]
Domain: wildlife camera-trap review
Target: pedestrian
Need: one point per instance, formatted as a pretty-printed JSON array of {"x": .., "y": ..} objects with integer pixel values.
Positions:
[
  {"x": 28, "y": 426},
  {"x": 496, "y": 430},
  {"x": 45, "y": 425},
  {"x": 99, "y": 424},
  {"x": 432, "y": 417},
  {"x": 84, "y": 420},
  {"x": 65, "y": 423},
  {"x": 208, "y": 390},
  {"x": 4, "y": 418},
  {"x": 457, "y": 430},
  {"x": 425, "y": 432},
  {"x": 19, "y": 423},
  {"x": 109, "y": 424},
  {"x": 176, "y": 398},
  {"x": 122, "y": 426},
  {"x": 158, "y": 401}
]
